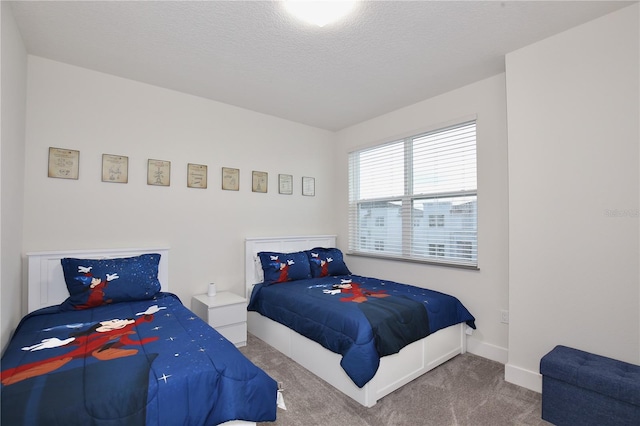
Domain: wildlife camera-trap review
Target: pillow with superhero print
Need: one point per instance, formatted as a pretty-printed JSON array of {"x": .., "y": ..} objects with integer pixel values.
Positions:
[
  {"x": 283, "y": 267},
  {"x": 326, "y": 261},
  {"x": 96, "y": 282}
]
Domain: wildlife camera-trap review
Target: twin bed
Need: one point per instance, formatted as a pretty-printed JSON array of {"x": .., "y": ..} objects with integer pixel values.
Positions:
[
  {"x": 446, "y": 337},
  {"x": 122, "y": 350},
  {"x": 94, "y": 315}
]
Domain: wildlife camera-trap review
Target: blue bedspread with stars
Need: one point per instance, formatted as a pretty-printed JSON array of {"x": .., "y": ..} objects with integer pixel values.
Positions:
[
  {"x": 360, "y": 318},
  {"x": 148, "y": 362}
]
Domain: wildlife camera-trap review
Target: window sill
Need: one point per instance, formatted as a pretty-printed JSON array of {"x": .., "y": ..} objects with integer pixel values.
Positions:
[{"x": 422, "y": 261}]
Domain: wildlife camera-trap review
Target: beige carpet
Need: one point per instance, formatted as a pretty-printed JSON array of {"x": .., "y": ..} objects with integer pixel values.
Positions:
[{"x": 467, "y": 390}]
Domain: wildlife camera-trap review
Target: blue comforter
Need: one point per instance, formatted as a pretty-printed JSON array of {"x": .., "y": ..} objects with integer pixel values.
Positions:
[
  {"x": 358, "y": 317},
  {"x": 146, "y": 362}
]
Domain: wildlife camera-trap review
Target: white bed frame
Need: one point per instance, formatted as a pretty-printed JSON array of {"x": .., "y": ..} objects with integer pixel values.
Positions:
[
  {"x": 46, "y": 285},
  {"x": 395, "y": 370}
]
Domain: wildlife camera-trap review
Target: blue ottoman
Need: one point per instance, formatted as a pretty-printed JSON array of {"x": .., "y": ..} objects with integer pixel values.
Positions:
[{"x": 580, "y": 388}]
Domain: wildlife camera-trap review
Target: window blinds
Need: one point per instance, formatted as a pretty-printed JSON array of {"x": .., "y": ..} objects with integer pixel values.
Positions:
[{"x": 416, "y": 198}]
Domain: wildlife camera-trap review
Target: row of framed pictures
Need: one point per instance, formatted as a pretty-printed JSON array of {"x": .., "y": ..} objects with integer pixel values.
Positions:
[{"x": 64, "y": 164}]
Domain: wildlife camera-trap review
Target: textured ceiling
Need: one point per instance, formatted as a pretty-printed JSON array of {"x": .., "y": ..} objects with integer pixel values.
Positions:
[{"x": 251, "y": 54}]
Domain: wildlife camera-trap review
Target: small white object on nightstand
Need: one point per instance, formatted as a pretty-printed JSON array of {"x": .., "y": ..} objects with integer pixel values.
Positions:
[
  {"x": 226, "y": 312},
  {"x": 212, "y": 290}
]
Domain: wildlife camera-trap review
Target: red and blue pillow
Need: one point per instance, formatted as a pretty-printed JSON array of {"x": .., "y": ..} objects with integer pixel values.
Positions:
[
  {"x": 326, "y": 261},
  {"x": 282, "y": 267},
  {"x": 96, "y": 282}
]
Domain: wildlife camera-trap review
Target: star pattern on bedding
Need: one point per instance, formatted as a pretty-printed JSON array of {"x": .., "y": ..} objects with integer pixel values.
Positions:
[{"x": 185, "y": 347}]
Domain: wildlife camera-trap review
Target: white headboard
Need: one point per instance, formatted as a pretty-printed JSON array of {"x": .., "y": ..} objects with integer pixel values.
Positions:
[
  {"x": 46, "y": 285},
  {"x": 253, "y": 246}
]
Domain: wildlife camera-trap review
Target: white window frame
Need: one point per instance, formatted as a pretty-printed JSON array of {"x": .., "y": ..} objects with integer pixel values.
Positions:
[{"x": 410, "y": 245}]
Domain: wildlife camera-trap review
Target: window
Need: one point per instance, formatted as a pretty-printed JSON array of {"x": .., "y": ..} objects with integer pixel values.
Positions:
[
  {"x": 436, "y": 250},
  {"x": 436, "y": 220},
  {"x": 465, "y": 249},
  {"x": 416, "y": 198}
]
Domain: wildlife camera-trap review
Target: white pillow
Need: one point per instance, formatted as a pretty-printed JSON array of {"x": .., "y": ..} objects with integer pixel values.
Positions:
[{"x": 259, "y": 273}]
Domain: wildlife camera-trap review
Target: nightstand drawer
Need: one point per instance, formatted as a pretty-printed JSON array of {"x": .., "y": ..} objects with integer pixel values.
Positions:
[
  {"x": 236, "y": 333},
  {"x": 225, "y": 315},
  {"x": 226, "y": 312}
]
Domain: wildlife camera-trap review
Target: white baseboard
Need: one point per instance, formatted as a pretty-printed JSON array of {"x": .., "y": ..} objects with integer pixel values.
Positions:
[
  {"x": 518, "y": 376},
  {"x": 489, "y": 351},
  {"x": 521, "y": 377}
]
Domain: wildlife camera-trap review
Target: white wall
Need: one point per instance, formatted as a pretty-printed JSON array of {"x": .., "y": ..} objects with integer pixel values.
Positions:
[
  {"x": 95, "y": 113},
  {"x": 484, "y": 292},
  {"x": 574, "y": 194},
  {"x": 14, "y": 77}
]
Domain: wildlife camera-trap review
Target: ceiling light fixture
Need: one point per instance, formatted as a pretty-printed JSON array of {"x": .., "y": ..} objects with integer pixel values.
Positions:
[{"x": 319, "y": 12}]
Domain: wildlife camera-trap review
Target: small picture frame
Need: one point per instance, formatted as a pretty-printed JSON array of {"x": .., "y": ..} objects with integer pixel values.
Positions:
[
  {"x": 259, "y": 181},
  {"x": 115, "y": 168},
  {"x": 63, "y": 163},
  {"x": 230, "y": 179},
  {"x": 308, "y": 186},
  {"x": 158, "y": 172},
  {"x": 196, "y": 176},
  {"x": 285, "y": 184}
]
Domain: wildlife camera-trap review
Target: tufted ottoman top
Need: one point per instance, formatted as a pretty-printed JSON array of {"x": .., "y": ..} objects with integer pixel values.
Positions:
[{"x": 607, "y": 376}]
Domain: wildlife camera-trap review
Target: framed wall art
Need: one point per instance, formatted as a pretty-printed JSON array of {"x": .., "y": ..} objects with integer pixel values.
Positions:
[
  {"x": 230, "y": 179},
  {"x": 158, "y": 172},
  {"x": 63, "y": 163},
  {"x": 308, "y": 186},
  {"x": 285, "y": 184},
  {"x": 259, "y": 181},
  {"x": 115, "y": 168},
  {"x": 196, "y": 176}
]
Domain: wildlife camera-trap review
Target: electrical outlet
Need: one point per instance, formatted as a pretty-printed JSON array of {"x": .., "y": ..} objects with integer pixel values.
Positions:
[{"x": 504, "y": 316}]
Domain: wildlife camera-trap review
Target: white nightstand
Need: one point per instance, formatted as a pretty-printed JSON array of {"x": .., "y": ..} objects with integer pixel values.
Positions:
[{"x": 226, "y": 312}]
